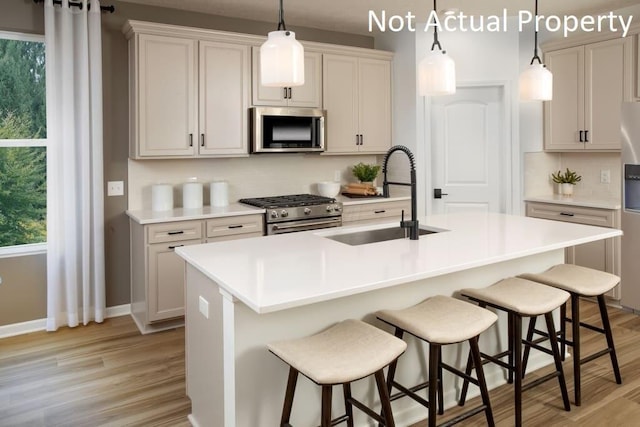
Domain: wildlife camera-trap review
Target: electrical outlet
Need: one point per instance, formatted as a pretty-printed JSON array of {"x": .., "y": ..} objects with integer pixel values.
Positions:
[
  {"x": 115, "y": 188},
  {"x": 605, "y": 176},
  {"x": 203, "y": 305},
  {"x": 337, "y": 176}
]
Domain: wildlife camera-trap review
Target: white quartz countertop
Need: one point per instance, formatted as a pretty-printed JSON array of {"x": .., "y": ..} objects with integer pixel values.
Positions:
[
  {"x": 348, "y": 201},
  {"x": 284, "y": 271},
  {"x": 180, "y": 214},
  {"x": 585, "y": 201}
]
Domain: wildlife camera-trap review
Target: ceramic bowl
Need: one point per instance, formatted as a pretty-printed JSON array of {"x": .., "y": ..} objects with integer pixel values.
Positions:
[{"x": 328, "y": 188}]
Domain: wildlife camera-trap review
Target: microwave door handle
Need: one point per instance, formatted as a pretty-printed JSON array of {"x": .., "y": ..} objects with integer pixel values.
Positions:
[{"x": 321, "y": 124}]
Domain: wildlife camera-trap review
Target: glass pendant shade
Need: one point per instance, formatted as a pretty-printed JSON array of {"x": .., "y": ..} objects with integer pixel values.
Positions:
[
  {"x": 536, "y": 84},
  {"x": 437, "y": 74},
  {"x": 282, "y": 60}
]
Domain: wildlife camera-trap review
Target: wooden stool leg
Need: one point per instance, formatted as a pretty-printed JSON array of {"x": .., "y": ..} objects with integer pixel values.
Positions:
[
  {"x": 527, "y": 349},
  {"x": 516, "y": 356},
  {"x": 563, "y": 331},
  {"x": 575, "y": 329},
  {"x": 510, "y": 335},
  {"x": 553, "y": 338},
  {"x": 288, "y": 397},
  {"x": 465, "y": 383},
  {"x": 387, "y": 414},
  {"x": 484, "y": 392},
  {"x": 434, "y": 362},
  {"x": 348, "y": 408},
  {"x": 440, "y": 385},
  {"x": 607, "y": 331},
  {"x": 326, "y": 406}
]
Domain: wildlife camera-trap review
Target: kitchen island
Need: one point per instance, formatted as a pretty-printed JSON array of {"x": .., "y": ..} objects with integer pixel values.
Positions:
[{"x": 243, "y": 294}]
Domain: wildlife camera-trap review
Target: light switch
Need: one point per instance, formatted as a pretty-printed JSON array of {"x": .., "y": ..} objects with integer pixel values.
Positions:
[
  {"x": 204, "y": 306},
  {"x": 605, "y": 176},
  {"x": 115, "y": 188}
]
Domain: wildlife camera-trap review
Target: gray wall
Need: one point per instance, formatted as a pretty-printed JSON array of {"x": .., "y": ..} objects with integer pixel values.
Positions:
[{"x": 25, "y": 16}]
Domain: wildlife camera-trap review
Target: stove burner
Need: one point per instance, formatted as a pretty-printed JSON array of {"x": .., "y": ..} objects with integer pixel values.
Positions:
[{"x": 293, "y": 200}]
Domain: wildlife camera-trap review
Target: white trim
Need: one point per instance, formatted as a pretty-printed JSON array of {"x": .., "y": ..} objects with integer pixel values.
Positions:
[
  {"x": 30, "y": 326},
  {"x": 25, "y": 37},
  {"x": 23, "y": 250},
  {"x": 36, "y": 142}
]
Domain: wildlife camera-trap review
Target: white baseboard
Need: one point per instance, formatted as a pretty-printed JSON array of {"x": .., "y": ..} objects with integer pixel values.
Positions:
[{"x": 41, "y": 324}]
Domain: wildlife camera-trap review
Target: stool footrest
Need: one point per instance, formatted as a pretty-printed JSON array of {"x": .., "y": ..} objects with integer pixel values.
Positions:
[
  {"x": 496, "y": 359},
  {"x": 538, "y": 347},
  {"x": 470, "y": 413},
  {"x": 404, "y": 391},
  {"x": 592, "y": 327},
  {"x": 461, "y": 374},
  {"x": 364, "y": 409},
  {"x": 540, "y": 380},
  {"x": 595, "y": 356}
]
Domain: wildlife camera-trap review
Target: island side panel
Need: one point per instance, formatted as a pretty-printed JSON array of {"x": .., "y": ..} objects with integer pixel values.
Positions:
[
  {"x": 260, "y": 378},
  {"x": 204, "y": 350}
]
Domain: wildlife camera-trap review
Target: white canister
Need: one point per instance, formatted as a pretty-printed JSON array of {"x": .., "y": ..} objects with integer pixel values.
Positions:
[
  {"x": 219, "y": 193},
  {"x": 161, "y": 197},
  {"x": 192, "y": 195}
]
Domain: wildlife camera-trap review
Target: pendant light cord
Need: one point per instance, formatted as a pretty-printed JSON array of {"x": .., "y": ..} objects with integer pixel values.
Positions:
[
  {"x": 535, "y": 39},
  {"x": 281, "y": 24},
  {"x": 436, "y": 42}
]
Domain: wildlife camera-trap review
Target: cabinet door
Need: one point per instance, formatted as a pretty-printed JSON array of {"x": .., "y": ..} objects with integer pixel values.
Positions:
[
  {"x": 166, "y": 104},
  {"x": 307, "y": 95},
  {"x": 310, "y": 93},
  {"x": 165, "y": 293},
  {"x": 564, "y": 115},
  {"x": 608, "y": 76},
  {"x": 340, "y": 99},
  {"x": 374, "y": 102},
  {"x": 224, "y": 99}
]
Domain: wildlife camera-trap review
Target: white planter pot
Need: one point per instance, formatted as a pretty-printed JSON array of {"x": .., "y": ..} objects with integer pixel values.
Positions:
[{"x": 567, "y": 189}]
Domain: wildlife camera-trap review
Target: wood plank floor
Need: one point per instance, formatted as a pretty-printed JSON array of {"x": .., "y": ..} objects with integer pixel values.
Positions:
[{"x": 110, "y": 375}]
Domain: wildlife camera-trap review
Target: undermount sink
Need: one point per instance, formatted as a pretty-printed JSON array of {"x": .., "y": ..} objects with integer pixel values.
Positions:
[{"x": 377, "y": 235}]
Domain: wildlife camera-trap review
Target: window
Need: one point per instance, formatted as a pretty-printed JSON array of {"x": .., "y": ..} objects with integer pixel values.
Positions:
[{"x": 23, "y": 161}]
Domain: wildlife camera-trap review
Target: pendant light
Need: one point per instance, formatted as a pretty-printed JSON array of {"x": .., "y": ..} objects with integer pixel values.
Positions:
[
  {"x": 437, "y": 71},
  {"x": 281, "y": 57},
  {"x": 536, "y": 82}
]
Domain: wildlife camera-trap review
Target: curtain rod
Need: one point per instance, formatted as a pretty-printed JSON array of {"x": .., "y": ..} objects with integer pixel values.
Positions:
[{"x": 109, "y": 9}]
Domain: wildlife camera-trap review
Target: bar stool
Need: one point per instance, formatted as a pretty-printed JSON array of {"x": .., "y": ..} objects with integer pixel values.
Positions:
[
  {"x": 345, "y": 352},
  {"x": 580, "y": 282},
  {"x": 439, "y": 321},
  {"x": 520, "y": 298}
]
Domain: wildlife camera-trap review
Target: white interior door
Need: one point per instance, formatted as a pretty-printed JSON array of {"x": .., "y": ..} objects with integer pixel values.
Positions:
[{"x": 468, "y": 135}]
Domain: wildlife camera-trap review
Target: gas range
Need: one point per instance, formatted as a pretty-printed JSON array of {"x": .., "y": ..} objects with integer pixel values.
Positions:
[{"x": 297, "y": 212}]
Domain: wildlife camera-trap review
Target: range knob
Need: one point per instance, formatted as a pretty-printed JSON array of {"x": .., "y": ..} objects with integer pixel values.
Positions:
[
  {"x": 307, "y": 211},
  {"x": 274, "y": 214},
  {"x": 329, "y": 208},
  {"x": 284, "y": 213}
]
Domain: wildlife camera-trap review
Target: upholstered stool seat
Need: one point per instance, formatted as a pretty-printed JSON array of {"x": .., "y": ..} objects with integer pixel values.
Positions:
[
  {"x": 521, "y": 298},
  {"x": 441, "y": 320},
  {"x": 345, "y": 352},
  {"x": 580, "y": 282}
]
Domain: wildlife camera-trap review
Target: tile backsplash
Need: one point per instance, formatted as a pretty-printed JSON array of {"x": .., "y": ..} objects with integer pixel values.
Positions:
[
  {"x": 254, "y": 176},
  {"x": 539, "y": 166}
]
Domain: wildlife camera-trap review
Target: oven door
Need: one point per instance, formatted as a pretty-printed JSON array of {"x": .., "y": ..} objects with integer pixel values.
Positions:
[{"x": 303, "y": 225}]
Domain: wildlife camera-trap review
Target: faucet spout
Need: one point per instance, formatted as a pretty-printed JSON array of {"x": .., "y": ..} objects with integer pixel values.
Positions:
[{"x": 412, "y": 225}]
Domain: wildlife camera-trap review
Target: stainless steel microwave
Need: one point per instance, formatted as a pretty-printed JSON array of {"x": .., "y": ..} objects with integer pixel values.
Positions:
[{"x": 287, "y": 130}]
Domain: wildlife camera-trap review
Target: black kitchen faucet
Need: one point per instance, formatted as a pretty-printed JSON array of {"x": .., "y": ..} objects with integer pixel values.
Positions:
[{"x": 412, "y": 225}]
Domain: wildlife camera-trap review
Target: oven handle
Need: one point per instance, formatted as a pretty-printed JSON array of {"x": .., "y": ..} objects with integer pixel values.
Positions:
[{"x": 275, "y": 227}]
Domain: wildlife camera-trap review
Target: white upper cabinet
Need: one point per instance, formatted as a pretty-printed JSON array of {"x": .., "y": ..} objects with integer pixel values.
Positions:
[
  {"x": 224, "y": 99},
  {"x": 307, "y": 95},
  {"x": 164, "y": 97},
  {"x": 357, "y": 97},
  {"x": 589, "y": 84}
]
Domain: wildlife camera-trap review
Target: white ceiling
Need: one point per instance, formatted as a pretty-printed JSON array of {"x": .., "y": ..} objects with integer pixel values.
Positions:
[{"x": 351, "y": 16}]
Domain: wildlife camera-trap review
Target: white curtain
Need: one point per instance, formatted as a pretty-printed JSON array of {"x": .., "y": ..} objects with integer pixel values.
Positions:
[{"x": 75, "y": 214}]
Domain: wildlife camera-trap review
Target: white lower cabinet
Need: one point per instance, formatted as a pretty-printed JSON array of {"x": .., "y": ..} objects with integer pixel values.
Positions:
[
  {"x": 603, "y": 255},
  {"x": 157, "y": 272},
  {"x": 372, "y": 212}
]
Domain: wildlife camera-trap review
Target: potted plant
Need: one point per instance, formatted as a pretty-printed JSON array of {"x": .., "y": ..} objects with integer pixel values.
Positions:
[
  {"x": 566, "y": 180},
  {"x": 365, "y": 173}
]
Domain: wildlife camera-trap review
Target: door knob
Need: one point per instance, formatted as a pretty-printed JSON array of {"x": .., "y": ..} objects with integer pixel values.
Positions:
[{"x": 437, "y": 193}]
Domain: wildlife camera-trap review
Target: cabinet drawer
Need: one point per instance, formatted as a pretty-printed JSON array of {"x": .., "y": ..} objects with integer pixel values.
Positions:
[
  {"x": 174, "y": 231},
  {"x": 234, "y": 225},
  {"x": 373, "y": 211},
  {"x": 579, "y": 215}
]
